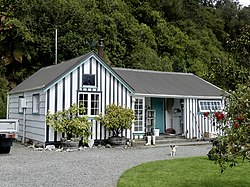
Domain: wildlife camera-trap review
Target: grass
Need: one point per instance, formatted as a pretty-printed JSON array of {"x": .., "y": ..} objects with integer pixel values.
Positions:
[{"x": 185, "y": 172}]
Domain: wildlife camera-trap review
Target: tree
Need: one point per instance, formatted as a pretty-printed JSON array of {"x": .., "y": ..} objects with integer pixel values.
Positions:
[
  {"x": 234, "y": 143},
  {"x": 4, "y": 87},
  {"x": 178, "y": 35},
  {"x": 229, "y": 10},
  {"x": 15, "y": 41}
]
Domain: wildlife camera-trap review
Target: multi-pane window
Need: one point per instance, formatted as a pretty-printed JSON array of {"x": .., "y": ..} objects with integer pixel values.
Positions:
[
  {"x": 35, "y": 103},
  {"x": 91, "y": 103},
  {"x": 94, "y": 104},
  {"x": 83, "y": 102},
  {"x": 139, "y": 115},
  {"x": 210, "y": 105},
  {"x": 88, "y": 80}
]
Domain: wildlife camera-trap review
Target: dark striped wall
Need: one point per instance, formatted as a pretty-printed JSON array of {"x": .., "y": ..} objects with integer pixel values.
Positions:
[{"x": 65, "y": 92}]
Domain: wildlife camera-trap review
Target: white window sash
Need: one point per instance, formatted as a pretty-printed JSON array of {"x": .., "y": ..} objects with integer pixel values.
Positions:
[
  {"x": 89, "y": 101},
  {"x": 143, "y": 115},
  {"x": 35, "y": 104},
  {"x": 20, "y": 108},
  {"x": 210, "y": 105}
]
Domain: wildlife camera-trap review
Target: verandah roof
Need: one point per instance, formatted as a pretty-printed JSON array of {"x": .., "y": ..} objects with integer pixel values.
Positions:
[{"x": 169, "y": 84}]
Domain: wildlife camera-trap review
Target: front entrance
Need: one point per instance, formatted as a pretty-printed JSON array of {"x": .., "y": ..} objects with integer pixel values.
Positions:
[{"x": 158, "y": 106}]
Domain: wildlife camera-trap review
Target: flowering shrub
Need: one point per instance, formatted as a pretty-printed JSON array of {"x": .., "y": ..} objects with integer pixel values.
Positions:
[
  {"x": 234, "y": 144},
  {"x": 116, "y": 119},
  {"x": 70, "y": 122}
]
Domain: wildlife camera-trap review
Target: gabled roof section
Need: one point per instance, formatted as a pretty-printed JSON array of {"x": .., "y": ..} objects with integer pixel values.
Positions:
[
  {"x": 48, "y": 76},
  {"x": 168, "y": 84}
]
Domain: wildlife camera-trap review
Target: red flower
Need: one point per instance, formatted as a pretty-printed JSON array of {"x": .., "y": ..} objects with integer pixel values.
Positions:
[
  {"x": 206, "y": 114},
  {"x": 216, "y": 114},
  {"x": 236, "y": 125},
  {"x": 219, "y": 116},
  {"x": 222, "y": 116},
  {"x": 239, "y": 118}
]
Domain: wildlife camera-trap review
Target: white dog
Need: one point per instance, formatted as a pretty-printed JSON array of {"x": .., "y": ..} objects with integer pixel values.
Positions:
[{"x": 173, "y": 150}]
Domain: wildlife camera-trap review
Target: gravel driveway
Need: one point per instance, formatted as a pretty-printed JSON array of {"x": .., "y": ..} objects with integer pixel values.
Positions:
[{"x": 96, "y": 167}]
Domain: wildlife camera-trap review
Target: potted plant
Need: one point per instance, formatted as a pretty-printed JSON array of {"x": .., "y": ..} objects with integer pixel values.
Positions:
[
  {"x": 170, "y": 131},
  {"x": 71, "y": 122},
  {"x": 117, "y": 119}
]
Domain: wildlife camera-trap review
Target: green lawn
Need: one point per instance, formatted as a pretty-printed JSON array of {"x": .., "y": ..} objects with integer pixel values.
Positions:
[{"x": 185, "y": 172}]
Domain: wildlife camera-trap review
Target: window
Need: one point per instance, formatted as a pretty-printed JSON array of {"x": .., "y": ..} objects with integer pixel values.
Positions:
[
  {"x": 209, "y": 105},
  {"x": 35, "y": 104},
  {"x": 139, "y": 115},
  {"x": 20, "y": 104},
  {"x": 91, "y": 103},
  {"x": 88, "y": 80}
]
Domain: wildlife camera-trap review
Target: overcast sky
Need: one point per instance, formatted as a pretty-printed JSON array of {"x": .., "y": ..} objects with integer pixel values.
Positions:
[{"x": 245, "y": 2}]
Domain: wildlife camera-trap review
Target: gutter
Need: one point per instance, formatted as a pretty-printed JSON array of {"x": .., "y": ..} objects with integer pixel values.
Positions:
[
  {"x": 176, "y": 96},
  {"x": 25, "y": 90}
]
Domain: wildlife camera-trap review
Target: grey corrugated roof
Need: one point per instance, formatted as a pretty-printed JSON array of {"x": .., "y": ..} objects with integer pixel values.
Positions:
[
  {"x": 48, "y": 75},
  {"x": 140, "y": 81},
  {"x": 167, "y": 83}
]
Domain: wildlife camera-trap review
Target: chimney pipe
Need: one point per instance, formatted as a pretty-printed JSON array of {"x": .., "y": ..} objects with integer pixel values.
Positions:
[{"x": 101, "y": 48}]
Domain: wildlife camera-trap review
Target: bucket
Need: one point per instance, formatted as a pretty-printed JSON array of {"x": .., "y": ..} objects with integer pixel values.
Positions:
[{"x": 157, "y": 132}]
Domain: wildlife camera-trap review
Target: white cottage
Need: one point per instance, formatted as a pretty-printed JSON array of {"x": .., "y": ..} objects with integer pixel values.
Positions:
[{"x": 176, "y": 100}]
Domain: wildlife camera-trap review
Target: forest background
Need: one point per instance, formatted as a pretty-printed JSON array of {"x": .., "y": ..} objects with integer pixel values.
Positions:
[{"x": 210, "y": 38}]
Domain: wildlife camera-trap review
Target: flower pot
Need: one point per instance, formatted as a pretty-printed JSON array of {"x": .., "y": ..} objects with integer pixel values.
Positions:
[
  {"x": 157, "y": 132},
  {"x": 117, "y": 140}
]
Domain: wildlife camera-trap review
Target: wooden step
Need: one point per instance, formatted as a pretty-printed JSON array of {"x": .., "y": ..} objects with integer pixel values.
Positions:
[{"x": 169, "y": 140}]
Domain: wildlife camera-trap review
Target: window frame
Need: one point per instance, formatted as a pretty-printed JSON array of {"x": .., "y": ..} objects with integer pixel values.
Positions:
[
  {"x": 141, "y": 112},
  {"x": 210, "y": 107},
  {"x": 87, "y": 85},
  {"x": 20, "y": 108},
  {"x": 35, "y": 98},
  {"x": 89, "y": 108}
]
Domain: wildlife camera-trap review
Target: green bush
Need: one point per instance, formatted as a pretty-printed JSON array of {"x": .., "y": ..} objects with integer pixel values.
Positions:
[
  {"x": 70, "y": 122},
  {"x": 116, "y": 119}
]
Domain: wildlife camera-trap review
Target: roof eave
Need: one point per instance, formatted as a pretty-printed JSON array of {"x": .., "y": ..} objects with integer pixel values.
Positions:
[
  {"x": 66, "y": 72},
  {"x": 176, "y": 96},
  {"x": 86, "y": 57},
  {"x": 26, "y": 90}
]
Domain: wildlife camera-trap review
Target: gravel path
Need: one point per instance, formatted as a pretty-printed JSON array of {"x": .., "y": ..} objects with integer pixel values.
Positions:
[{"x": 96, "y": 167}]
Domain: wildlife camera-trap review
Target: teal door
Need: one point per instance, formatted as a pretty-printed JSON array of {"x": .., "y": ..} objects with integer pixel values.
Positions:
[{"x": 158, "y": 106}]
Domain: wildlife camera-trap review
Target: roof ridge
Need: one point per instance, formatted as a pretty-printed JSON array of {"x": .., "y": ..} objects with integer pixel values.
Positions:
[{"x": 152, "y": 71}]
